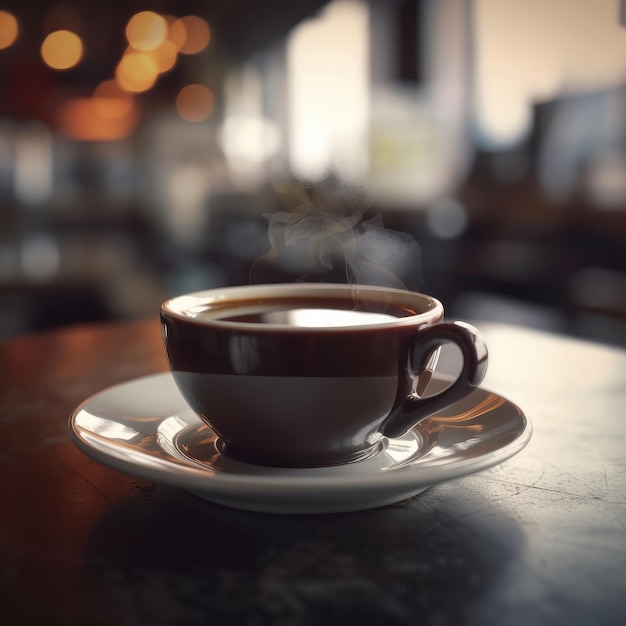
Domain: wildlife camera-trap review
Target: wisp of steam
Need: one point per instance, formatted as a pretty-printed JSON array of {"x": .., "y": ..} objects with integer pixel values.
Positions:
[{"x": 329, "y": 233}]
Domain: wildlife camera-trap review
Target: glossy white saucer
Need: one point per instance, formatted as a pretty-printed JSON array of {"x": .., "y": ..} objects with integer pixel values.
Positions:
[{"x": 144, "y": 427}]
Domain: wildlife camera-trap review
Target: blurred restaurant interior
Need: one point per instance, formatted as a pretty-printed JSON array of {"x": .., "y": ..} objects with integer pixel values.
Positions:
[{"x": 473, "y": 149}]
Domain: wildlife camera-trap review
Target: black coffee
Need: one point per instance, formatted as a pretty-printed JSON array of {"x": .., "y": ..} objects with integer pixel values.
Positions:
[{"x": 304, "y": 314}]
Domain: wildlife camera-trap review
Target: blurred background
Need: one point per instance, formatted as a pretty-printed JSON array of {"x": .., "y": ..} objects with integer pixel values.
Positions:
[{"x": 475, "y": 149}]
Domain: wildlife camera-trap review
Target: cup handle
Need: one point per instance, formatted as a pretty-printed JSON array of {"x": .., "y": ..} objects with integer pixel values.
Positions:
[{"x": 414, "y": 408}]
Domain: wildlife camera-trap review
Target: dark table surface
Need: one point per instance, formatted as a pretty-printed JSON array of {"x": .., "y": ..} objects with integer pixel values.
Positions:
[{"x": 539, "y": 539}]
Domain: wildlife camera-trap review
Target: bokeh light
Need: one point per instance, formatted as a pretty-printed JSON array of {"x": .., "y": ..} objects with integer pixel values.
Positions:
[
  {"x": 164, "y": 56},
  {"x": 136, "y": 72},
  {"x": 176, "y": 32},
  {"x": 195, "y": 103},
  {"x": 197, "y": 32},
  {"x": 146, "y": 30},
  {"x": 447, "y": 218},
  {"x": 248, "y": 139},
  {"x": 82, "y": 119},
  {"x": 62, "y": 49},
  {"x": 111, "y": 101},
  {"x": 9, "y": 29},
  {"x": 40, "y": 256}
]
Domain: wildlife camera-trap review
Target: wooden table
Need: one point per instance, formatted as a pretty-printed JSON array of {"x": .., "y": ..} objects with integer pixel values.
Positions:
[{"x": 540, "y": 539}]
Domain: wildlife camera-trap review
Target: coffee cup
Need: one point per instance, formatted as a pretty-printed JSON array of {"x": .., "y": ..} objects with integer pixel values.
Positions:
[{"x": 311, "y": 375}]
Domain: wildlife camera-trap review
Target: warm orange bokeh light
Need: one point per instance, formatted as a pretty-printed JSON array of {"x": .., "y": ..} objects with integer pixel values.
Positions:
[
  {"x": 9, "y": 29},
  {"x": 146, "y": 30},
  {"x": 62, "y": 49},
  {"x": 111, "y": 101},
  {"x": 164, "y": 56},
  {"x": 80, "y": 118},
  {"x": 136, "y": 72},
  {"x": 195, "y": 103},
  {"x": 176, "y": 33},
  {"x": 198, "y": 34}
]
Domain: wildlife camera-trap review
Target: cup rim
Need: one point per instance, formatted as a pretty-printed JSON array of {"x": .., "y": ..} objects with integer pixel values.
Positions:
[{"x": 176, "y": 307}]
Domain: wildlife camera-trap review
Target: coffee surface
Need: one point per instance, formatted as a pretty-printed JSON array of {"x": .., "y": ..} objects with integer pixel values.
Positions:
[
  {"x": 304, "y": 317},
  {"x": 309, "y": 314}
]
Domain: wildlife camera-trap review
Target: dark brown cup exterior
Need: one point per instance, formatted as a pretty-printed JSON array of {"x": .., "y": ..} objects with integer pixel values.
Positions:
[{"x": 311, "y": 397}]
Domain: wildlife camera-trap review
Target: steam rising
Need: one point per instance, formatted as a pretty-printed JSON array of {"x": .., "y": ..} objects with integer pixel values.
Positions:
[{"x": 328, "y": 233}]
